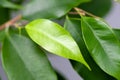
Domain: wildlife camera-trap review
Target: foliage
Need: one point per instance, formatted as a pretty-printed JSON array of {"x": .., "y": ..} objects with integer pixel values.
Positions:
[
  {"x": 25, "y": 60},
  {"x": 58, "y": 36},
  {"x": 90, "y": 44},
  {"x": 73, "y": 26},
  {"x": 103, "y": 6},
  {"x": 55, "y": 8},
  {"x": 7, "y": 4}
]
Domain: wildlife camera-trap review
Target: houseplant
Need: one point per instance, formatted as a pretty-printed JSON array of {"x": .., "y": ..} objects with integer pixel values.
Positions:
[{"x": 92, "y": 46}]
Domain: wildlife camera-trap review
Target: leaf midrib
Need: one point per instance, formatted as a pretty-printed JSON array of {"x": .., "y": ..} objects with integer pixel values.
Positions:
[
  {"x": 56, "y": 41},
  {"x": 106, "y": 70},
  {"x": 98, "y": 40}
]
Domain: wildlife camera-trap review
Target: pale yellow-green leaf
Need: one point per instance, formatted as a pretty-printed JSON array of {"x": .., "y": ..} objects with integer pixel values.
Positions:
[{"x": 54, "y": 39}]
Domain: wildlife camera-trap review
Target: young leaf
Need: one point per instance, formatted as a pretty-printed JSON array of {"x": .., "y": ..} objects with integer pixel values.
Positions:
[
  {"x": 73, "y": 25},
  {"x": 102, "y": 44},
  {"x": 7, "y": 4},
  {"x": 55, "y": 8},
  {"x": 22, "y": 59},
  {"x": 54, "y": 39}
]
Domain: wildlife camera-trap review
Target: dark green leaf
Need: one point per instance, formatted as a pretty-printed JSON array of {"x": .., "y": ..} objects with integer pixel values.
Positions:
[
  {"x": 102, "y": 44},
  {"x": 49, "y": 8},
  {"x": 74, "y": 27},
  {"x": 4, "y": 12},
  {"x": 60, "y": 77},
  {"x": 2, "y": 35},
  {"x": 54, "y": 39},
  {"x": 117, "y": 33},
  {"x": 7, "y": 4},
  {"x": 17, "y": 1},
  {"x": 97, "y": 7},
  {"x": 24, "y": 60}
]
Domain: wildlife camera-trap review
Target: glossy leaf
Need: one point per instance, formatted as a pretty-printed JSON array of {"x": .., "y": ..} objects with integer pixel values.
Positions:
[
  {"x": 97, "y": 7},
  {"x": 117, "y": 33},
  {"x": 7, "y": 4},
  {"x": 73, "y": 25},
  {"x": 24, "y": 60},
  {"x": 54, "y": 39},
  {"x": 49, "y": 8},
  {"x": 102, "y": 44}
]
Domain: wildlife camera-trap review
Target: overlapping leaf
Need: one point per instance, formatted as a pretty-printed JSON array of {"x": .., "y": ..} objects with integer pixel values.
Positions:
[
  {"x": 54, "y": 39},
  {"x": 49, "y": 8},
  {"x": 102, "y": 44},
  {"x": 73, "y": 25},
  {"x": 7, "y": 4},
  {"x": 24, "y": 60}
]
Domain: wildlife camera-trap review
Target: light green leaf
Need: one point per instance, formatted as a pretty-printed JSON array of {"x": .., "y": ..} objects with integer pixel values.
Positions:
[
  {"x": 117, "y": 0},
  {"x": 22, "y": 59},
  {"x": 102, "y": 44},
  {"x": 7, "y": 4},
  {"x": 73, "y": 25},
  {"x": 54, "y": 39},
  {"x": 49, "y": 8}
]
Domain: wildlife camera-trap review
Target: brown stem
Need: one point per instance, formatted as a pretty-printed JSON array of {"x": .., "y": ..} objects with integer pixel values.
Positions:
[
  {"x": 83, "y": 12},
  {"x": 74, "y": 13},
  {"x": 10, "y": 22}
]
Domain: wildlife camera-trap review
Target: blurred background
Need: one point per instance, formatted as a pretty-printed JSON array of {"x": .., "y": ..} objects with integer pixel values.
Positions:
[{"x": 63, "y": 65}]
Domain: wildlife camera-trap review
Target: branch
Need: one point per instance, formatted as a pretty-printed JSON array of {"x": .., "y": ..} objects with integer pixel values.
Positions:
[
  {"x": 74, "y": 13},
  {"x": 10, "y": 22},
  {"x": 83, "y": 12}
]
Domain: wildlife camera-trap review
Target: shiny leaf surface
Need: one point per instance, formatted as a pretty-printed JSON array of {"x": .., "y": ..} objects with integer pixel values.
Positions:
[
  {"x": 24, "y": 60},
  {"x": 49, "y": 8},
  {"x": 73, "y": 25},
  {"x": 54, "y": 39},
  {"x": 102, "y": 44}
]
